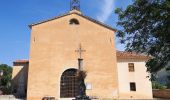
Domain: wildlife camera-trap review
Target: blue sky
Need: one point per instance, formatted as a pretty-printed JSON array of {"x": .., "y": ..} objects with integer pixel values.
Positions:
[{"x": 16, "y": 15}]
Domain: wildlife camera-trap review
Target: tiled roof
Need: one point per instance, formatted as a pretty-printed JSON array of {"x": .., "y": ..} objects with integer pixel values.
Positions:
[
  {"x": 131, "y": 55},
  {"x": 120, "y": 54},
  {"x": 21, "y": 61},
  {"x": 91, "y": 19}
]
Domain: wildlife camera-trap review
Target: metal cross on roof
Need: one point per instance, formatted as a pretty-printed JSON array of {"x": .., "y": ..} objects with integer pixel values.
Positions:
[{"x": 75, "y": 5}]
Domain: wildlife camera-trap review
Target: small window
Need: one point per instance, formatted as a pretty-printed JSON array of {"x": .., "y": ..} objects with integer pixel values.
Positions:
[
  {"x": 131, "y": 67},
  {"x": 132, "y": 86},
  {"x": 74, "y": 22}
]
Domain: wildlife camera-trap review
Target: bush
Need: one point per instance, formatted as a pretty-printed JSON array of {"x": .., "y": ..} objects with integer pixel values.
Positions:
[
  {"x": 156, "y": 85},
  {"x": 168, "y": 84}
]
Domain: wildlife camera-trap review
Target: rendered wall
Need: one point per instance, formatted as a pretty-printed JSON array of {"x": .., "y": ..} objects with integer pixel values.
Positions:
[
  {"x": 143, "y": 84},
  {"x": 53, "y": 46}
]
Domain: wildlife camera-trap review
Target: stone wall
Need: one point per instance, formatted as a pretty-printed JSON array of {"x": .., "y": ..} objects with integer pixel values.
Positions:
[{"x": 162, "y": 93}]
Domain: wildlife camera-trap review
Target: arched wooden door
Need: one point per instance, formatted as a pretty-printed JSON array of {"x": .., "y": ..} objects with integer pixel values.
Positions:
[{"x": 69, "y": 84}]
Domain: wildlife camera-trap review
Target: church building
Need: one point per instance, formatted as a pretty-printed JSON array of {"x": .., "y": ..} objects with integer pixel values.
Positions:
[{"x": 63, "y": 45}]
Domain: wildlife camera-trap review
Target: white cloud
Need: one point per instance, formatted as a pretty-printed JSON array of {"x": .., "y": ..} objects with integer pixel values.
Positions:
[{"x": 106, "y": 10}]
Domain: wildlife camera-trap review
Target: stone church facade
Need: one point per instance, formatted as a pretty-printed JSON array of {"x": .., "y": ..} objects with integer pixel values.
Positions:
[{"x": 60, "y": 45}]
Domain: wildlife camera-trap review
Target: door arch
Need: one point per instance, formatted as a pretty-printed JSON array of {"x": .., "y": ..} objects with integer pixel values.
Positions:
[{"x": 69, "y": 84}]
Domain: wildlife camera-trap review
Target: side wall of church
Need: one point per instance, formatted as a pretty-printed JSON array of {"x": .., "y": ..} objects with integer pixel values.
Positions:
[
  {"x": 139, "y": 77},
  {"x": 53, "y": 46}
]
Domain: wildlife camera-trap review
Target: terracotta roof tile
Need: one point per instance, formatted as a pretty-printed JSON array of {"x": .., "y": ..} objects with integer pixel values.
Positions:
[
  {"x": 21, "y": 61},
  {"x": 120, "y": 54},
  {"x": 131, "y": 55}
]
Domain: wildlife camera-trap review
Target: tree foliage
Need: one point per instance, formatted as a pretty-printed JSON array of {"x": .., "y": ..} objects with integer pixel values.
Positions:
[
  {"x": 5, "y": 80},
  {"x": 145, "y": 28}
]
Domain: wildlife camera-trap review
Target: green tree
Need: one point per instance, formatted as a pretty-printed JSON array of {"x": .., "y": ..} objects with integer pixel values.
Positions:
[
  {"x": 5, "y": 79},
  {"x": 145, "y": 28}
]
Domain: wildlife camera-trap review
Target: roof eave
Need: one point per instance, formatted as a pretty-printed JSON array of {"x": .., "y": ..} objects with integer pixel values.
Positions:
[{"x": 91, "y": 19}]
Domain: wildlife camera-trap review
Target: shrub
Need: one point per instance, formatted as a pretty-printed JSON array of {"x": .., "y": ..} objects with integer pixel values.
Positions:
[{"x": 156, "y": 85}]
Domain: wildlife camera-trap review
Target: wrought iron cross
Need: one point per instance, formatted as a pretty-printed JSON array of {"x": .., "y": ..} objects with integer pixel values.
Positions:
[
  {"x": 80, "y": 51},
  {"x": 75, "y": 5}
]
